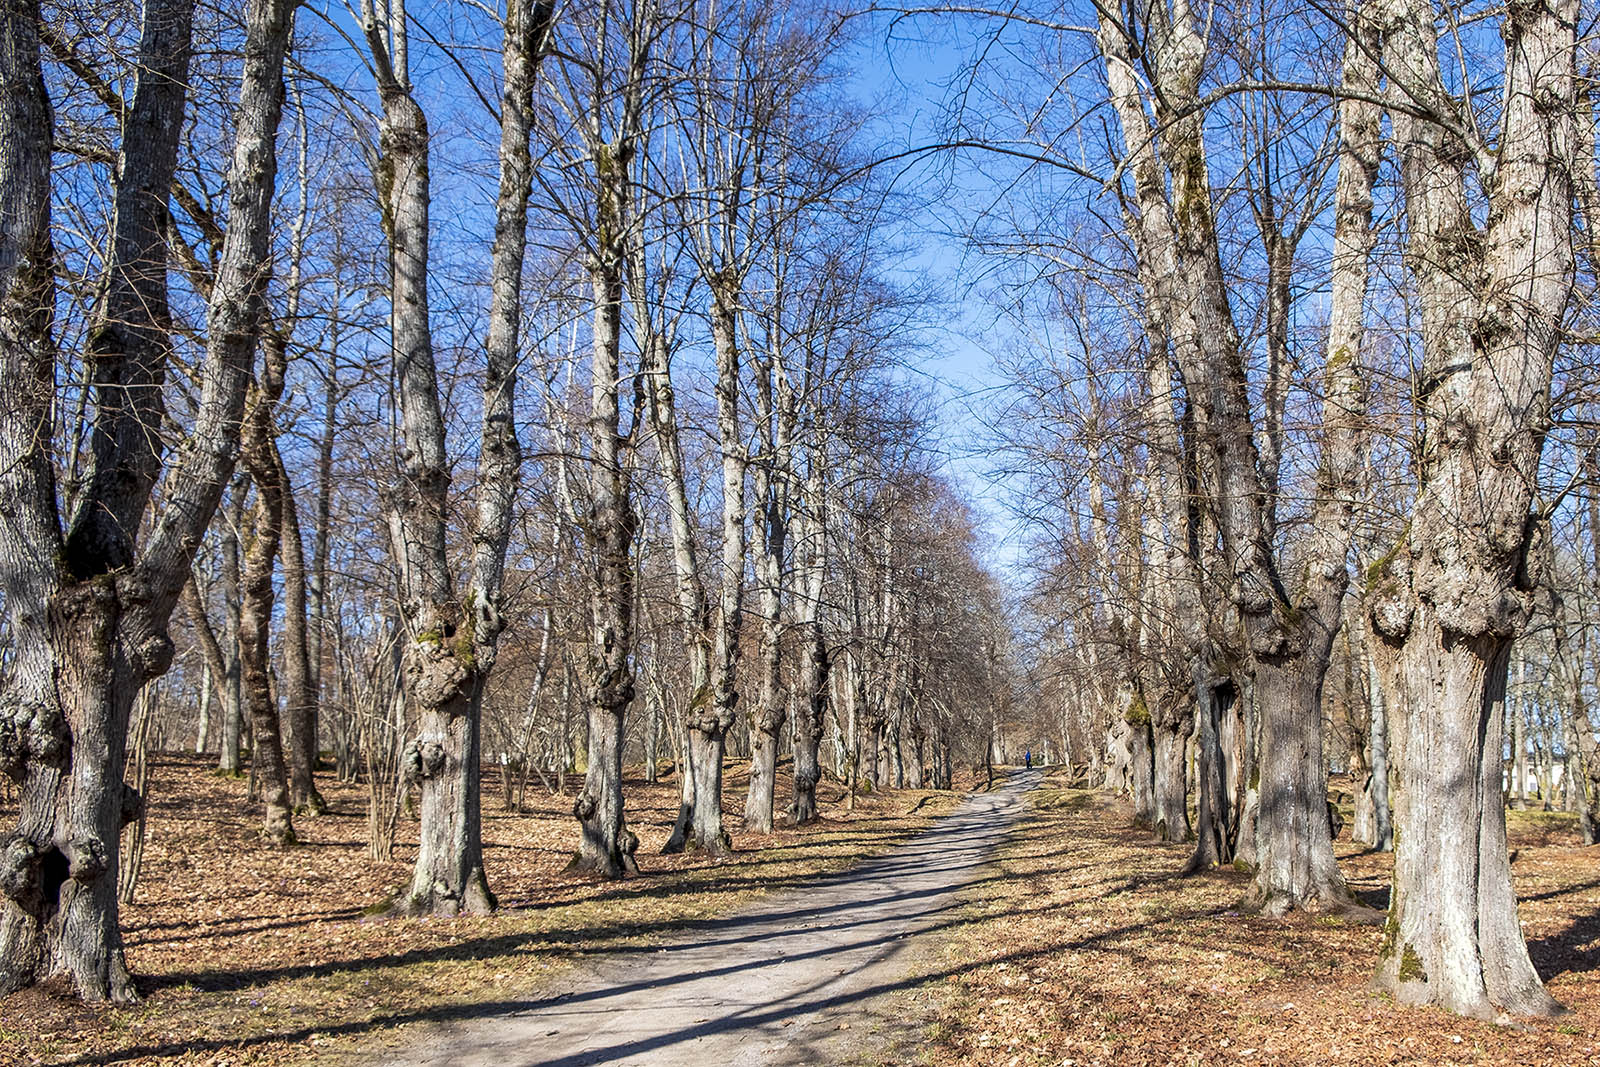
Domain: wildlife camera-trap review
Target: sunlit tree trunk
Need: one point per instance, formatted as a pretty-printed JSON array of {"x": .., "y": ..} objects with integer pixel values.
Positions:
[
  {"x": 1454, "y": 594},
  {"x": 97, "y": 599}
]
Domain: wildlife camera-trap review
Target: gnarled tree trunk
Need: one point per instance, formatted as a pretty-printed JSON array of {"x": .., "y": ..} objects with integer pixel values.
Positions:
[
  {"x": 93, "y": 605},
  {"x": 1451, "y": 599}
]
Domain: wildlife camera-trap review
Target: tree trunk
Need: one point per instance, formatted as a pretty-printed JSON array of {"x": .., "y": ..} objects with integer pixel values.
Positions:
[
  {"x": 255, "y": 654},
  {"x": 1378, "y": 760},
  {"x": 1453, "y": 938},
  {"x": 1519, "y": 761},
  {"x": 1452, "y": 597},
  {"x": 299, "y": 678},
  {"x": 1215, "y": 831},
  {"x": 229, "y": 759},
  {"x": 202, "y": 733},
  {"x": 94, "y": 625},
  {"x": 814, "y": 668},
  {"x": 259, "y": 453},
  {"x": 1171, "y": 813},
  {"x": 1295, "y": 867},
  {"x": 1141, "y": 774},
  {"x": 767, "y": 719},
  {"x": 441, "y": 762},
  {"x": 605, "y": 846}
]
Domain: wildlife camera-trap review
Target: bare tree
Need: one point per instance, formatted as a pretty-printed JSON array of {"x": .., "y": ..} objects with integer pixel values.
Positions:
[
  {"x": 1456, "y": 589},
  {"x": 93, "y": 598},
  {"x": 452, "y": 644}
]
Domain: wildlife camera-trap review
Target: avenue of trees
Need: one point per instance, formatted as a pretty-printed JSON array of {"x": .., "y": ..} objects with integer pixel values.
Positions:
[
  {"x": 1300, "y": 419},
  {"x": 481, "y": 395},
  {"x": 464, "y": 396}
]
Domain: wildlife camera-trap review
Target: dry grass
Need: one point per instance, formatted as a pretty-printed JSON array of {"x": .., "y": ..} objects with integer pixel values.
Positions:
[
  {"x": 1086, "y": 949},
  {"x": 251, "y": 955}
]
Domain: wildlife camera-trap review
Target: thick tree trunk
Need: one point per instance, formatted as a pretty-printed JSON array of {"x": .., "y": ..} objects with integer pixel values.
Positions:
[
  {"x": 1215, "y": 830},
  {"x": 1142, "y": 774},
  {"x": 767, "y": 718},
  {"x": 452, "y": 645},
  {"x": 814, "y": 670},
  {"x": 1451, "y": 599},
  {"x": 763, "y": 778},
  {"x": 60, "y": 868},
  {"x": 449, "y": 875},
  {"x": 1170, "y": 818},
  {"x": 1378, "y": 758},
  {"x": 95, "y": 616},
  {"x": 440, "y": 651},
  {"x": 1295, "y": 867},
  {"x": 1181, "y": 254},
  {"x": 605, "y": 846},
  {"x": 1453, "y": 938}
]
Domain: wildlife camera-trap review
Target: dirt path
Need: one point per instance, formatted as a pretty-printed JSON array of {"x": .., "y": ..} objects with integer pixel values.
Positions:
[{"x": 790, "y": 980}]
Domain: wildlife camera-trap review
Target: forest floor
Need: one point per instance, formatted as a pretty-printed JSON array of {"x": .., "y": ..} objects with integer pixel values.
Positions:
[
  {"x": 794, "y": 979},
  {"x": 246, "y": 954},
  {"x": 1075, "y": 945},
  {"x": 1085, "y": 948}
]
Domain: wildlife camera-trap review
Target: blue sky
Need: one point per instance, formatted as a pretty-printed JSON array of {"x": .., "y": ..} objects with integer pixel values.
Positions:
[{"x": 909, "y": 71}]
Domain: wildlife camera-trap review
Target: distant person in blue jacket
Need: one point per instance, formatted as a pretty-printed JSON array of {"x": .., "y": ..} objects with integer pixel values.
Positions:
[{"x": 1027, "y": 759}]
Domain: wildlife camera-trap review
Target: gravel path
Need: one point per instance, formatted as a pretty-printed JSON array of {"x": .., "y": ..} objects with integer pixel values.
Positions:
[{"x": 793, "y": 979}]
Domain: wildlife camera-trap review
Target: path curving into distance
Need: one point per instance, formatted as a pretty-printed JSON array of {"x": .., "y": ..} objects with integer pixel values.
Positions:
[{"x": 789, "y": 980}]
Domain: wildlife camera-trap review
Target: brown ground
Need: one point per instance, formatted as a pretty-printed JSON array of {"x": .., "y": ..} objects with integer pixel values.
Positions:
[
  {"x": 1086, "y": 950},
  {"x": 1082, "y": 949},
  {"x": 251, "y": 955}
]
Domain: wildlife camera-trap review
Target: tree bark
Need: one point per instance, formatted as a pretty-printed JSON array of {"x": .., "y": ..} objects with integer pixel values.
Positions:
[
  {"x": 299, "y": 679},
  {"x": 100, "y": 604},
  {"x": 1141, "y": 773},
  {"x": 1171, "y": 784},
  {"x": 1453, "y": 595},
  {"x": 230, "y": 759},
  {"x": 815, "y": 664},
  {"x": 1215, "y": 831},
  {"x": 605, "y": 845}
]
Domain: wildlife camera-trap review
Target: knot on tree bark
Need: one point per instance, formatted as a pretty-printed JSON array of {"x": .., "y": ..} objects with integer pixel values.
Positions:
[
  {"x": 1472, "y": 601},
  {"x": 423, "y": 758},
  {"x": 807, "y": 778},
  {"x": 438, "y": 671},
  {"x": 31, "y": 731},
  {"x": 611, "y": 689},
  {"x": 154, "y": 655},
  {"x": 488, "y": 623},
  {"x": 584, "y": 807},
  {"x": 1273, "y": 639},
  {"x": 20, "y": 863},
  {"x": 87, "y": 859},
  {"x": 1389, "y": 590}
]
